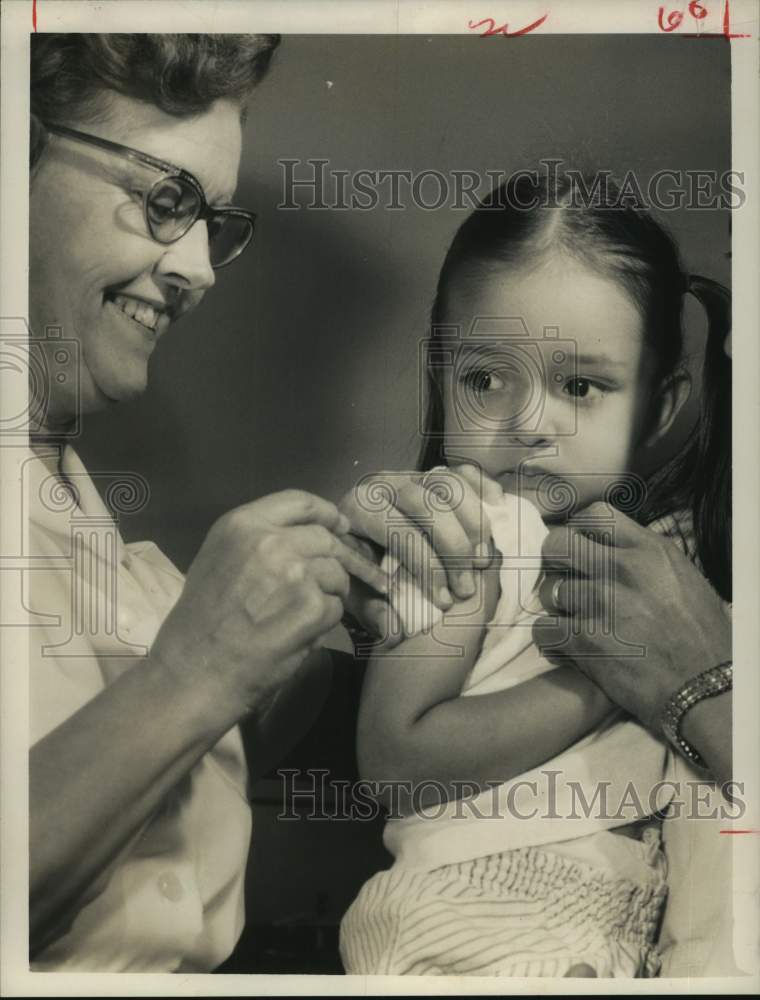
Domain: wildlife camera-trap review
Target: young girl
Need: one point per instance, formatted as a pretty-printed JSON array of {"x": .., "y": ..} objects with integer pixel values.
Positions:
[{"x": 527, "y": 846}]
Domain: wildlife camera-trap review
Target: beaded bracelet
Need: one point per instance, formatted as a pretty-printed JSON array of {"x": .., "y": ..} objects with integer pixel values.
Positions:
[{"x": 710, "y": 682}]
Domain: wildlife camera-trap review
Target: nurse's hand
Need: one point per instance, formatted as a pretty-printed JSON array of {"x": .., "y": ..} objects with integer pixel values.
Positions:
[
  {"x": 266, "y": 586},
  {"x": 433, "y": 522},
  {"x": 617, "y": 588}
]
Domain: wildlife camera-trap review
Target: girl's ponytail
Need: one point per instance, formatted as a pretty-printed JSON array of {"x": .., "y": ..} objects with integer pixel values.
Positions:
[
  {"x": 699, "y": 478},
  {"x": 712, "y": 468}
]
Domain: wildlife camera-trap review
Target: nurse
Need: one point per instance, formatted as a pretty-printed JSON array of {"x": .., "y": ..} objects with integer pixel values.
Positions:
[{"x": 139, "y": 819}]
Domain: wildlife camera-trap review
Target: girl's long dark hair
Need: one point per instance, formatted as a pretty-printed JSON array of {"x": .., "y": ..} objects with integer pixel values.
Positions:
[{"x": 530, "y": 216}]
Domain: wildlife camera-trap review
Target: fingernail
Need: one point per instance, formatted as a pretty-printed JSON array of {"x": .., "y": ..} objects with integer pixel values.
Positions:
[
  {"x": 445, "y": 600},
  {"x": 343, "y": 526},
  {"x": 389, "y": 625},
  {"x": 395, "y": 622},
  {"x": 466, "y": 584}
]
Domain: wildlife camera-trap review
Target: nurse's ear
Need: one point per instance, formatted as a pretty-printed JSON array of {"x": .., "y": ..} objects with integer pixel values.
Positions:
[{"x": 666, "y": 404}]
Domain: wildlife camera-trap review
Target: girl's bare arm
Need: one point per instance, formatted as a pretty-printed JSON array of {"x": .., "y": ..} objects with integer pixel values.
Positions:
[{"x": 414, "y": 725}]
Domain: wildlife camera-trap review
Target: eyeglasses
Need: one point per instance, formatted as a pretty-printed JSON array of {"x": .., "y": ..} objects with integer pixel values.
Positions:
[{"x": 176, "y": 201}]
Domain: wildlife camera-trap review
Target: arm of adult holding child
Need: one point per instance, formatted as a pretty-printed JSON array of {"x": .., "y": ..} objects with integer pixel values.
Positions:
[
  {"x": 659, "y": 599},
  {"x": 415, "y": 725},
  {"x": 658, "y": 596}
]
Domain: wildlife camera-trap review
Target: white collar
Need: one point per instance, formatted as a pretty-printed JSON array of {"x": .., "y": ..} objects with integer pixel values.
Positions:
[{"x": 51, "y": 504}]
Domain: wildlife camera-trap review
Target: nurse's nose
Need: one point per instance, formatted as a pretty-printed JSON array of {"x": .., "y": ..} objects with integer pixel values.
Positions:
[{"x": 186, "y": 263}]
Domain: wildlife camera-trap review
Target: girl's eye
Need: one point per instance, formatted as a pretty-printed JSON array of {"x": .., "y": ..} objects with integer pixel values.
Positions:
[
  {"x": 583, "y": 388},
  {"x": 481, "y": 380}
]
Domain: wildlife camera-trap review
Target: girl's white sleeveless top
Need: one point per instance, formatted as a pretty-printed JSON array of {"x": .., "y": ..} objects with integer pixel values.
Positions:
[{"x": 613, "y": 776}]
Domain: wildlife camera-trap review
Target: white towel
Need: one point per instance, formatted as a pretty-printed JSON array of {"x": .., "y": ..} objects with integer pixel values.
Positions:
[{"x": 518, "y": 533}]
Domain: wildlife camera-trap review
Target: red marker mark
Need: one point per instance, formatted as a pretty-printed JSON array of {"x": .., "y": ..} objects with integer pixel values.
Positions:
[
  {"x": 727, "y": 24},
  {"x": 504, "y": 29},
  {"x": 697, "y": 11},
  {"x": 34, "y": 14},
  {"x": 739, "y": 831},
  {"x": 675, "y": 17}
]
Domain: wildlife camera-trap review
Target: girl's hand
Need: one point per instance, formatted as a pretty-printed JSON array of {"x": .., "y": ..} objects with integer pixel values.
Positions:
[
  {"x": 266, "y": 586},
  {"x": 434, "y": 522}
]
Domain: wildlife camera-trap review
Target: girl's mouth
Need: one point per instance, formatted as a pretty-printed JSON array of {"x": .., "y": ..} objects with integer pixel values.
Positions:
[{"x": 527, "y": 472}]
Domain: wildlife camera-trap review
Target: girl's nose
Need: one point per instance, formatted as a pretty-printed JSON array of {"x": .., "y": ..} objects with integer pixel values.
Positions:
[
  {"x": 527, "y": 441},
  {"x": 551, "y": 420}
]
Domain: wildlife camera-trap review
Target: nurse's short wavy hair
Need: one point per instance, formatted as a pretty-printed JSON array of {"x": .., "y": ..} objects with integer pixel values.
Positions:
[{"x": 183, "y": 75}]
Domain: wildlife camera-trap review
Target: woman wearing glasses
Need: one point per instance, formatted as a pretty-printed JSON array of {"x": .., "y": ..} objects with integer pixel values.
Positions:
[{"x": 139, "y": 820}]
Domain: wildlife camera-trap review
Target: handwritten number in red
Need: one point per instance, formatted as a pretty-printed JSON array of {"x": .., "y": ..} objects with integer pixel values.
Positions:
[
  {"x": 675, "y": 17},
  {"x": 697, "y": 11}
]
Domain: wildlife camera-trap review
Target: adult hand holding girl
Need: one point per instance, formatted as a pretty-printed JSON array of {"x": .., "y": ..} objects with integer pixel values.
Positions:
[
  {"x": 659, "y": 602},
  {"x": 654, "y": 592}
]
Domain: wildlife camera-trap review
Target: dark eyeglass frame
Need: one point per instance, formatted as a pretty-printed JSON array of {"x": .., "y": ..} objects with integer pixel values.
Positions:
[{"x": 170, "y": 172}]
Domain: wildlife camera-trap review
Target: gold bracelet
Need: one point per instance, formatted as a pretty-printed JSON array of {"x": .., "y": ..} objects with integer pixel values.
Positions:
[{"x": 710, "y": 682}]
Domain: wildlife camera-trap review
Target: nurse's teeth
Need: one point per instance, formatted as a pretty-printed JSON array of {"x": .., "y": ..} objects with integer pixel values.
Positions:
[{"x": 143, "y": 312}]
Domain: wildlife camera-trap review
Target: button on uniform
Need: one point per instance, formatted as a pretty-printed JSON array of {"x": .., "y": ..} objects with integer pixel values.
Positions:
[
  {"x": 170, "y": 887},
  {"x": 124, "y": 618}
]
